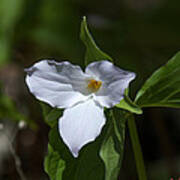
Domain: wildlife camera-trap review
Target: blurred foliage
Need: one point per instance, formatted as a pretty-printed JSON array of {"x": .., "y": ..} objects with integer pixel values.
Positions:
[
  {"x": 9, "y": 111},
  {"x": 10, "y": 13}
]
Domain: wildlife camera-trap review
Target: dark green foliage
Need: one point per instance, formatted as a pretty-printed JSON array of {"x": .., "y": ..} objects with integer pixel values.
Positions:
[
  {"x": 53, "y": 164},
  {"x": 113, "y": 144},
  {"x": 51, "y": 115},
  {"x": 163, "y": 87},
  {"x": 87, "y": 166},
  {"x": 93, "y": 53},
  {"x": 9, "y": 111}
]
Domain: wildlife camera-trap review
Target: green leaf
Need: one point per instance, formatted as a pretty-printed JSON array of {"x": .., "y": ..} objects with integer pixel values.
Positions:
[
  {"x": 163, "y": 87},
  {"x": 90, "y": 166},
  {"x": 87, "y": 166},
  {"x": 58, "y": 145},
  {"x": 51, "y": 115},
  {"x": 112, "y": 148},
  {"x": 93, "y": 53},
  {"x": 53, "y": 164},
  {"x": 127, "y": 104}
]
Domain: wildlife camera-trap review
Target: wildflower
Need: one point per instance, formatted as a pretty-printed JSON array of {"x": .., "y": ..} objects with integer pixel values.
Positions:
[{"x": 83, "y": 95}]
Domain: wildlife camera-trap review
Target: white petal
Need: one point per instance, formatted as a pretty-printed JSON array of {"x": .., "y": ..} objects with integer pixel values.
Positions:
[
  {"x": 114, "y": 82},
  {"x": 81, "y": 124},
  {"x": 58, "y": 84}
]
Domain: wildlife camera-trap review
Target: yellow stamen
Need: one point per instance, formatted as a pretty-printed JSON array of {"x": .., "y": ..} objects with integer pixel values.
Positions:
[{"x": 94, "y": 85}]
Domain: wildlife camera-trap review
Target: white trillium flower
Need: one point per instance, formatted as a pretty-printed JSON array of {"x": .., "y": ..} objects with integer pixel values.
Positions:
[{"x": 83, "y": 95}]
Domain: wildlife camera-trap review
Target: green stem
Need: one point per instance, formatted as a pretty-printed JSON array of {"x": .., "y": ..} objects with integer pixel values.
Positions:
[{"x": 137, "y": 148}]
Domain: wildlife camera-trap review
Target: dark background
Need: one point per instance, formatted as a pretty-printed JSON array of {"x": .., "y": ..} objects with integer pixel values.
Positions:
[{"x": 141, "y": 35}]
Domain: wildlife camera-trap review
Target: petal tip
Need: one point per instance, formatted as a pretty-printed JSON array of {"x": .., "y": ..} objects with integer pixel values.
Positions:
[
  {"x": 133, "y": 75},
  {"x": 75, "y": 153}
]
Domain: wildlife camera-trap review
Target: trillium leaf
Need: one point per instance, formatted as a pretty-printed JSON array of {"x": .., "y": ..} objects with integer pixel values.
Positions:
[
  {"x": 51, "y": 115},
  {"x": 57, "y": 144},
  {"x": 127, "y": 104},
  {"x": 163, "y": 87},
  {"x": 93, "y": 53},
  {"x": 53, "y": 164},
  {"x": 112, "y": 148},
  {"x": 87, "y": 166}
]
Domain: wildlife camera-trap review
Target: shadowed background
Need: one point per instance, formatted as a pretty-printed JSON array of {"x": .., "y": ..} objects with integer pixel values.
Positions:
[{"x": 140, "y": 35}]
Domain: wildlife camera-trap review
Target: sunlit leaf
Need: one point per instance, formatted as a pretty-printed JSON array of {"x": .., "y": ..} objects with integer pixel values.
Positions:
[
  {"x": 93, "y": 53},
  {"x": 163, "y": 87}
]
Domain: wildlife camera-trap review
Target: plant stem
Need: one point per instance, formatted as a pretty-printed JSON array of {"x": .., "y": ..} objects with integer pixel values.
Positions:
[{"x": 137, "y": 148}]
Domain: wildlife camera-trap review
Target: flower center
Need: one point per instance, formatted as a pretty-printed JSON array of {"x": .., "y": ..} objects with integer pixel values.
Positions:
[{"x": 94, "y": 85}]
